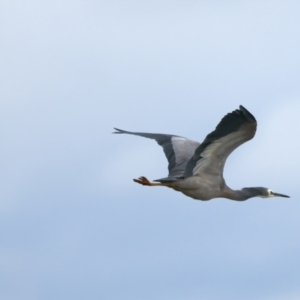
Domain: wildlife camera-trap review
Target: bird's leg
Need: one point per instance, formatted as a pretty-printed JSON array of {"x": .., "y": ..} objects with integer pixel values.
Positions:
[{"x": 144, "y": 181}]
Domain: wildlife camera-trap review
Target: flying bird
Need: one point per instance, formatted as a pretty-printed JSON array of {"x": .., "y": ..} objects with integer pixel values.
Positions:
[{"x": 196, "y": 169}]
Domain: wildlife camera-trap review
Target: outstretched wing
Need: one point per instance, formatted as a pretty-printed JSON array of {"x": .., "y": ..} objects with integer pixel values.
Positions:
[
  {"x": 178, "y": 151},
  {"x": 234, "y": 129}
]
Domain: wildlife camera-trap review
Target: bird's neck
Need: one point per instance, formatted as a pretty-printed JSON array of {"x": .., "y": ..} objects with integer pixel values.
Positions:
[{"x": 241, "y": 195}]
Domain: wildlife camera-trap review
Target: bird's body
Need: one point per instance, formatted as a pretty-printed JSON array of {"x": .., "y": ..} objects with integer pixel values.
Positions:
[
  {"x": 199, "y": 188},
  {"x": 196, "y": 169}
]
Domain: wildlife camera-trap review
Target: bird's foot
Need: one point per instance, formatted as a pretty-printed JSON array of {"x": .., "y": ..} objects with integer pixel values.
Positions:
[{"x": 143, "y": 180}]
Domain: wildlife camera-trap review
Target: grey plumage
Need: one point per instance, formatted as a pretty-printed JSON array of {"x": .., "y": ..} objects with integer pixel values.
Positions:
[
  {"x": 197, "y": 169},
  {"x": 178, "y": 151}
]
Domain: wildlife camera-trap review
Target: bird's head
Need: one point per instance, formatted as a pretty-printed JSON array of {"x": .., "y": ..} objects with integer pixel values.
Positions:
[
  {"x": 269, "y": 193},
  {"x": 263, "y": 192}
]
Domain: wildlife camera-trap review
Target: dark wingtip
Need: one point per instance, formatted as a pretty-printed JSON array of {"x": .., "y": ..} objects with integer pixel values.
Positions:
[
  {"x": 118, "y": 130},
  {"x": 247, "y": 114}
]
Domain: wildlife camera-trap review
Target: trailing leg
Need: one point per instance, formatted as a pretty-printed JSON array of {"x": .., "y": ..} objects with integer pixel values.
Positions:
[{"x": 144, "y": 181}]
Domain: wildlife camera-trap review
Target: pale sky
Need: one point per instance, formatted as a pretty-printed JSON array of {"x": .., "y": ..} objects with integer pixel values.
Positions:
[{"x": 73, "y": 224}]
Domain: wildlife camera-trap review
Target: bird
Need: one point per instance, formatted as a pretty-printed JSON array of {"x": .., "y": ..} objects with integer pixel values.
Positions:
[{"x": 196, "y": 170}]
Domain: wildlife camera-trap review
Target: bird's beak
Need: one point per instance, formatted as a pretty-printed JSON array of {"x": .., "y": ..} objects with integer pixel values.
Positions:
[{"x": 280, "y": 195}]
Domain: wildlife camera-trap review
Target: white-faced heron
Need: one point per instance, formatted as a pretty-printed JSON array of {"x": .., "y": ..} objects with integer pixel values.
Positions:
[{"x": 196, "y": 169}]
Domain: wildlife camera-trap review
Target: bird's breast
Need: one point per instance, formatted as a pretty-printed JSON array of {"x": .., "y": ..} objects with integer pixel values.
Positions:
[{"x": 199, "y": 188}]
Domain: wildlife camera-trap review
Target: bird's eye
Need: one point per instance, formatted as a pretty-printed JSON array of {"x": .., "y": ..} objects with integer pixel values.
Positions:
[{"x": 271, "y": 193}]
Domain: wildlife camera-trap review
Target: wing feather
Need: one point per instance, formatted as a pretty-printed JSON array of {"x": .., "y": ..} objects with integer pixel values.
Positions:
[
  {"x": 234, "y": 129},
  {"x": 178, "y": 150}
]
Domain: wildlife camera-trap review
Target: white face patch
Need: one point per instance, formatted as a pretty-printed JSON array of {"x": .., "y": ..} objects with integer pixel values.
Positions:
[{"x": 270, "y": 194}]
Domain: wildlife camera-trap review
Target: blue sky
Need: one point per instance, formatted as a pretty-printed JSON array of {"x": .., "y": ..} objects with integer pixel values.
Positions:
[{"x": 73, "y": 224}]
